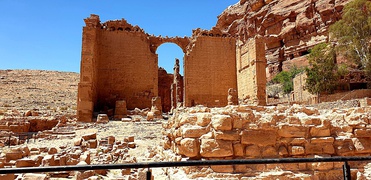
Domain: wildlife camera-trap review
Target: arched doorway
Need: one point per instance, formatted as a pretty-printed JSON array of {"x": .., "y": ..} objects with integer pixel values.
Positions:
[{"x": 170, "y": 90}]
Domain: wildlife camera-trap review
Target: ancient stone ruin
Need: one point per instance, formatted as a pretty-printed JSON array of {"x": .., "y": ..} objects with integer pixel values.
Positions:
[
  {"x": 119, "y": 63},
  {"x": 217, "y": 109}
]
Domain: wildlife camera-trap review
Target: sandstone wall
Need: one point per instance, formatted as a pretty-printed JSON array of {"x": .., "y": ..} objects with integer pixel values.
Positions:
[
  {"x": 127, "y": 69},
  {"x": 165, "y": 81},
  {"x": 300, "y": 94},
  {"x": 209, "y": 71},
  {"x": 251, "y": 74},
  {"x": 244, "y": 132}
]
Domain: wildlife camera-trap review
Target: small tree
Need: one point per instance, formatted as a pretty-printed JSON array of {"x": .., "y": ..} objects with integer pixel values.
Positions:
[
  {"x": 322, "y": 75},
  {"x": 285, "y": 79},
  {"x": 353, "y": 33}
]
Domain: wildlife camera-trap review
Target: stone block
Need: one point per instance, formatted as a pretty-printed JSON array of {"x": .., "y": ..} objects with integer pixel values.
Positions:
[
  {"x": 126, "y": 172},
  {"x": 289, "y": 131},
  {"x": 282, "y": 151},
  {"x": 13, "y": 156},
  {"x": 223, "y": 168},
  {"x": 320, "y": 131},
  {"x": 92, "y": 143},
  {"x": 269, "y": 152},
  {"x": 252, "y": 151},
  {"x": 297, "y": 150},
  {"x": 344, "y": 147},
  {"x": 102, "y": 118},
  {"x": 84, "y": 115},
  {"x": 313, "y": 149},
  {"x": 25, "y": 151},
  {"x": 242, "y": 168},
  {"x": 132, "y": 145},
  {"x": 362, "y": 145},
  {"x": 34, "y": 176},
  {"x": 111, "y": 140},
  {"x": 189, "y": 147},
  {"x": 120, "y": 108},
  {"x": 216, "y": 148},
  {"x": 227, "y": 135},
  {"x": 313, "y": 121},
  {"x": 239, "y": 150},
  {"x": 203, "y": 119},
  {"x": 52, "y": 150},
  {"x": 194, "y": 131},
  {"x": 187, "y": 119},
  {"x": 48, "y": 160},
  {"x": 130, "y": 139},
  {"x": 150, "y": 116},
  {"x": 328, "y": 148},
  {"x": 362, "y": 132},
  {"x": 25, "y": 162},
  {"x": 7, "y": 177},
  {"x": 222, "y": 122},
  {"x": 259, "y": 137},
  {"x": 89, "y": 136}
]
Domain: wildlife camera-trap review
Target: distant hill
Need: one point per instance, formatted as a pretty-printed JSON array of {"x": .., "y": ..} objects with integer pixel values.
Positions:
[{"x": 45, "y": 91}]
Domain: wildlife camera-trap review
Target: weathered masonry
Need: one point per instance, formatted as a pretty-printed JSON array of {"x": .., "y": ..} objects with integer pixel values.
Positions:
[{"x": 119, "y": 63}]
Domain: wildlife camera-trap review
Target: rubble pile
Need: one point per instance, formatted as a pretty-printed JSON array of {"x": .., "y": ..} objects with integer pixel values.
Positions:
[{"x": 245, "y": 132}]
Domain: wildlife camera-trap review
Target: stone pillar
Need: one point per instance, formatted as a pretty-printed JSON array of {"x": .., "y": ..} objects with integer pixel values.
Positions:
[
  {"x": 251, "y": 74},
  {"x": 176, "y": 87},
  {"x": 86, "y": 87},
  {"x": 120, "y": 110},
  {"x": 157, "y": 107}
]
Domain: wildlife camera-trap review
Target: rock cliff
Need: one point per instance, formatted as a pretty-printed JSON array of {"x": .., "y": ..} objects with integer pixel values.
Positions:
[{"x": 290, "y": 27}]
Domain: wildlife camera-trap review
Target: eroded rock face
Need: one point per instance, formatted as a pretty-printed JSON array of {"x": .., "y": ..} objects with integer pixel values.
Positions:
[{"x": 289, "y": 27}]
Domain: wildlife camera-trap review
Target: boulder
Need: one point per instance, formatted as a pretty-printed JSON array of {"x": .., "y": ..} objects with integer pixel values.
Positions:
[{"x": 102, "y": 118}]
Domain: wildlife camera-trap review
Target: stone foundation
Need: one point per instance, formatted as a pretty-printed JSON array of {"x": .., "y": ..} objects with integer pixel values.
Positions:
[{"x": 245, "y": 132}]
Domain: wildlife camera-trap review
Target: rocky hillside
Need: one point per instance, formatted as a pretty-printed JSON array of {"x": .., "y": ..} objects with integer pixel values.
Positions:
[
  {"x": 25, "y": 90},
  {"x": 290, "y": 27}
]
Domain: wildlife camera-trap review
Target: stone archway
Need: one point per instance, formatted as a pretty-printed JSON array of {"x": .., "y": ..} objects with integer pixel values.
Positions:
[
  {"x": 157, "y": 41},
  {"x": 170, "y": 81}
]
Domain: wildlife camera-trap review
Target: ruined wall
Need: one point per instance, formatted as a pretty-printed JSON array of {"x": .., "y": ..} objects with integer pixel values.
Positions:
[
  {"x": 209, "y": 71},
  {"x": 89, "y": 57},
  {"x": 244, "y": 132},
  {"x": 127, "y": 69},
  {"x": 300, "y": 94},
  {"x": 355, "y": 94},
  {"x": 165, "y": 81},
  {"x": 251, "y": 73},
  {"x": 119, "y": 62}
]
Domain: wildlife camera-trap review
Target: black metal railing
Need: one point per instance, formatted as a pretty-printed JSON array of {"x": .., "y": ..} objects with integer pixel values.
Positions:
[
  {"x": 346, "y": 168},
  {"x": 26, "y": 136}
]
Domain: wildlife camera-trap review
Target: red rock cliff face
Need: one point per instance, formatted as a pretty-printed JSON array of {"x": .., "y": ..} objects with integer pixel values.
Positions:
[{"x": 290, "y": 27}]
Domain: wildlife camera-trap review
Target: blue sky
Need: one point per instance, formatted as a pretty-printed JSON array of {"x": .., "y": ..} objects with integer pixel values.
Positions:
[{"x": 46, "y": 34}]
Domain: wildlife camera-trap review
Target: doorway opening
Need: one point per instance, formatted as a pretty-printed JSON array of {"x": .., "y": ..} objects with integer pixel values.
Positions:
[{"x": 170, "y": 85}]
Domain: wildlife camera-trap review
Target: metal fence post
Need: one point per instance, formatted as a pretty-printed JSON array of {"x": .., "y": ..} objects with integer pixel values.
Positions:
[
  {"x": 149, "y": 174},
  {"x": 346, "y": 171}
]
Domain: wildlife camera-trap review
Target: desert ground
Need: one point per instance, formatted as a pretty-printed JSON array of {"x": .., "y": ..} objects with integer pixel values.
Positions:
[{"x": 53, "y": 94}]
